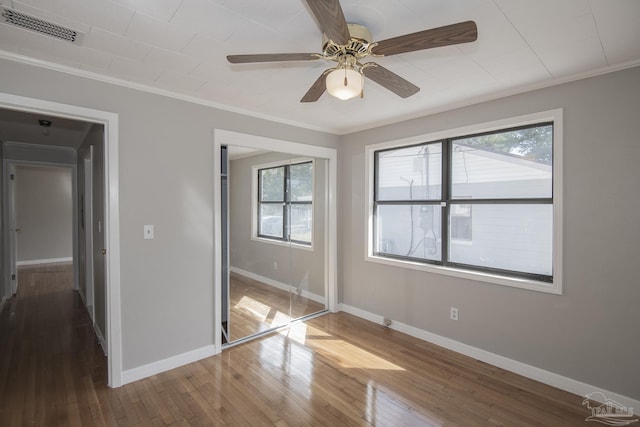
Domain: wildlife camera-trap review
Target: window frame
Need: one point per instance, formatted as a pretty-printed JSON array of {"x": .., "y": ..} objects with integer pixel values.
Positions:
[
  {"x": 478, "y": 273},
  {"x": 257, "y": 202}
]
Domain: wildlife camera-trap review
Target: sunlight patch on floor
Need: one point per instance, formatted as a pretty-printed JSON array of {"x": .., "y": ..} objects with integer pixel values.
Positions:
[
  {"x": 350, "y": 356},
  {"x": 257, "y": 309},
  {"x": 339, "y": 351},
  {"x": 280, "y": 319},
  {"x": 297, "y": 332}
]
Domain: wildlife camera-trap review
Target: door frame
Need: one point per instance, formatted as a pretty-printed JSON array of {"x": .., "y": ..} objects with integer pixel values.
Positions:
[
  {"x": 112, "y": 217},
  {"x": 226, "y": 137}
]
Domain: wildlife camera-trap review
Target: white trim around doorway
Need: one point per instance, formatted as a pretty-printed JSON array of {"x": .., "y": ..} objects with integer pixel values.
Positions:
[{"x": 112, "y": 219}]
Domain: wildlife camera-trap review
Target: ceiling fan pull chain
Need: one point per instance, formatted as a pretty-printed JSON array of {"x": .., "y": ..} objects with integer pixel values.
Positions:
[{"x": 345, "y": 77}]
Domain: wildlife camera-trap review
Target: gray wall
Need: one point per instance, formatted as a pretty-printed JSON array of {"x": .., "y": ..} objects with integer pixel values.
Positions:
[
  {"x": 590, "y": 333},
  {"x": 39, "y": 153},
  {"x": 296, "y": 267},
  {"x": 44, "y": 212},
  {"x": 166, "y": 176}
]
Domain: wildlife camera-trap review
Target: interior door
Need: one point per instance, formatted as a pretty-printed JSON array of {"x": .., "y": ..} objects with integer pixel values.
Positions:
[
  {"x": 99, "y": 251},
  {"x": 13, "y": 230},
  {"x": 88, "y": 231}
]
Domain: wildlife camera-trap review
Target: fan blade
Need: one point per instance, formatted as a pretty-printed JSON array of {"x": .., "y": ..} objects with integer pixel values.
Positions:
[
  {"x": 462, "y": 32},
  {"x": 271, "y": 57},
  {"x": 331, "y": 19},
  {"x": 385, "y": 78},
  {"x": 316, "y": 90}
]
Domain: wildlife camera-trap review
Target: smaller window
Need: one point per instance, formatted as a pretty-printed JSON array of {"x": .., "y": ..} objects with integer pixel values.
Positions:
[{"x": 285, "y": 203}]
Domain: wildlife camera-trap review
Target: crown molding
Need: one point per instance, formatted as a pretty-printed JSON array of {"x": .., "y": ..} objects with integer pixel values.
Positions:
[{"x": 340, "y": 132}]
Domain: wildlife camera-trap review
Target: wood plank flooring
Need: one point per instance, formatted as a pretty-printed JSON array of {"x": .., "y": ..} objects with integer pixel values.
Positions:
[
  {"x": 256, "y": 307},
  {"x": 333, "y": 370}
]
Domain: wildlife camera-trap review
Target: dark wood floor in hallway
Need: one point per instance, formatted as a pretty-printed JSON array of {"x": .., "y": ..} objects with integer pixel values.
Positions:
[{"x": 333, "y": 370}]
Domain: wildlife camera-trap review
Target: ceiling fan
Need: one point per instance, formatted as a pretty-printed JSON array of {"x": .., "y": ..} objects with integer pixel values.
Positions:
[{"x": 347, "y": 44}]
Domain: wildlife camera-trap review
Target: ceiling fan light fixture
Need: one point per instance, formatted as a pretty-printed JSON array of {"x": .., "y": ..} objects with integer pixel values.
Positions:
[
  {"x": 347, "y": 44},
  {"x": 344, "y": 83}
]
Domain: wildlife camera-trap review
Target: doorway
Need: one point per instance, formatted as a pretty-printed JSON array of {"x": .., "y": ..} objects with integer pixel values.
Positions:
[
  {"x": 107, "y": 175},
  {"x": 275, "y": 217}
]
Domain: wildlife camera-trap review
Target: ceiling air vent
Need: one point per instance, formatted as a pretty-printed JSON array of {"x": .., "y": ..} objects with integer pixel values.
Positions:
[{"x": 41, "y": 26}]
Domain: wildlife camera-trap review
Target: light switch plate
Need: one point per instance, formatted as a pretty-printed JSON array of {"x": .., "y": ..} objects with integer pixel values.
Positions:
[{"x": 148, "y": 231}]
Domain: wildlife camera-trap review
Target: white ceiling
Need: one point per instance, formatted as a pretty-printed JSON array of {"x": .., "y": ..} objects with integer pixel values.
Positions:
[
  {"x": 180, "y": 46},
  {"x": 23, "y": 127}
]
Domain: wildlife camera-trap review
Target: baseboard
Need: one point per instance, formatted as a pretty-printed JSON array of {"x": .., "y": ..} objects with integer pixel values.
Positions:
[
  {"x": 82, "y": 297},
  {"x": 532, "y": 372},
  {"x": 43, "y": 261},
  {"x": 167, "y": 364},
  {"x": 282, "y": 286},
  {"x": 101, "y": 340}
]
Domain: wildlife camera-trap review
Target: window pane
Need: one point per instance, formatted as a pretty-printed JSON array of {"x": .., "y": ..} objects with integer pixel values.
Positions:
[
  {"x": 272, "y": 184},
  {"x": 301, "y": 223},
  {"x": 508, "y": 237},
  {"x": 512, "y": 164},
  {"x": 460, "y": 222},
  {"x": 411, "y": 173},
  {"x": 301, "y": 182},
  {"x": 271, "y": 220},
  {"x": 409, "y": 231}
]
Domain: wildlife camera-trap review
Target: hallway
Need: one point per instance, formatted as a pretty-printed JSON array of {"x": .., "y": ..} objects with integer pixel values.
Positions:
[{"x": 50, "y": 361}]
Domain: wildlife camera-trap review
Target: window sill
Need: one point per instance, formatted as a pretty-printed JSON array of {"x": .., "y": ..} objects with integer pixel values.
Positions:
[
  {"x": 283, "y": 244},
  {"x": 514, "y": 282}
]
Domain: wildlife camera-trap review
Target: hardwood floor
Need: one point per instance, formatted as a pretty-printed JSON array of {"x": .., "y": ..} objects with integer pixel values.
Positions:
[
  {"x": 333, "y": 370},
  {"x": 256, "y": 307},
  {"x": 50, "y": 362}
]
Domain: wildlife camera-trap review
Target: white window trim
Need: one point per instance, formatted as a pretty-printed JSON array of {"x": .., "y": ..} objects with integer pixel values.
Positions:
[
  {"x": 554, "y": 116},
  {"x": 254, "y": 203}
]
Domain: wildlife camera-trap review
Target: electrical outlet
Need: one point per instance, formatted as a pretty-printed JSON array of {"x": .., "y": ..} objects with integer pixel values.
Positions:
[
  {"x": 275, "y": 265},
  {"x": 386, "y": 322},
  {"x": 454, "y": 313}
]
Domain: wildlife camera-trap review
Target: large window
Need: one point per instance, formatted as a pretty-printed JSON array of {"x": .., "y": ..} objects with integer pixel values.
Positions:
[
  {"x": 285, "y": 203},
  {"x": 481, "y": 203}
]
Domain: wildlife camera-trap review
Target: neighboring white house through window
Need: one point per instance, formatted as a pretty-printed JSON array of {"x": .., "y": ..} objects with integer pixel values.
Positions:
[{"x": 481, "y": 203}]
